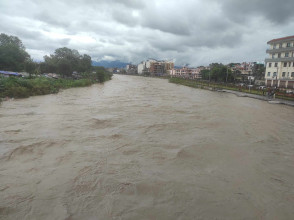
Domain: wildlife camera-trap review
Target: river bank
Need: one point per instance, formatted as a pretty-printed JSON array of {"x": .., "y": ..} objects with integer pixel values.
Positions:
[
  {"x": 13, "y": 87},
  {"x": 223, "y": 88}
]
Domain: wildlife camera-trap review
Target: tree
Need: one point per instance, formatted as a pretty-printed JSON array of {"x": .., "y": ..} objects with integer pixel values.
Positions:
[
  {"x": 205, "y": 74},
  {"x": 64, "y": 67},
  {"x": 11, "y": 40},
  {"x": 65, "y": 61},
  {"x": 258, "y": 71},
  {"x": 12, "y": 53},
  {"x": 85, "y": 63},
  {"x": 220, "y": 73},
  {"x": 30, "y": 67}
]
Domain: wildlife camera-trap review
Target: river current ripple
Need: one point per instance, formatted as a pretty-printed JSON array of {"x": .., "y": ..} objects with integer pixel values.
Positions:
[{"x": 142, "y": 148}]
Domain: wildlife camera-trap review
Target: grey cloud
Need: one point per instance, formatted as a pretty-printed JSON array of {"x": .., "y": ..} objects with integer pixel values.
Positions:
[
  {"x": 273, "y": 10},
  {"x": 193, "y": 31},
  {"x": 52, "y": 19},
  {"x": 177, "y": 27},
  {"x": 125, "y": 3},
  {"x": 124, "y": 17},
  {"x": 132, "y": 3},
  {"x": 46, "y": 44},
  {"x": 19, "y": 31}
]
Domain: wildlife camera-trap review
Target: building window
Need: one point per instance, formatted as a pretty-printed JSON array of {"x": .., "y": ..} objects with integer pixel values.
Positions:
[
  {"x": 283, "y": 74},
  {"x": 285, "y": 64},
  {"x": 270, "y": 65},
  {"x": 288, "y": 44},
  {"x": 274, "y": 47},
  {"x": 292, "y": 74},
  {"x": 289, "y": 64},
  {"x": 275, "y": 74},
  {"x": 279, "y": 55},
  {"x": 273, "y": 56},
  {"x": 281, "y": 45},
  {"x": 286, "y": 54},
  {"x": 276, "y": 64},
  {"x": 269, "y": 74}
]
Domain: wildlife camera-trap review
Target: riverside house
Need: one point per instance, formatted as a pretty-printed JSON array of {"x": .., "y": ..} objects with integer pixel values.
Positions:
[{"x": 280, "y": 64}]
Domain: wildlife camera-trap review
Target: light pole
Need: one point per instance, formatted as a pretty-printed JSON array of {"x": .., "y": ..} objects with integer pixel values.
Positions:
[
  {"x": 209, "y": 76},
  {"x": 227, "y": 75},
  {"x": 277, "y": 77}
]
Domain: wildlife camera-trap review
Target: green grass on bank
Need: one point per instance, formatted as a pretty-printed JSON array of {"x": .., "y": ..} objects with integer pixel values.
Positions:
[
  {"x": 13, "y": 87},
  {"x": 216, "y": 86}
]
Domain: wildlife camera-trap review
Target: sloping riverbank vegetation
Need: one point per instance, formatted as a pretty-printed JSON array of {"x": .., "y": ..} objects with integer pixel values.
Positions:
[
  {"x": 224, "y": 86},
  {"x": 24, "y": 87}
]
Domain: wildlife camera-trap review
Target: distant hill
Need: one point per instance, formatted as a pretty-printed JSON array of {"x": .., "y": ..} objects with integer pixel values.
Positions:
[
  {"x": 110, "y": 64},
  {"x": 178, "y": 67}
]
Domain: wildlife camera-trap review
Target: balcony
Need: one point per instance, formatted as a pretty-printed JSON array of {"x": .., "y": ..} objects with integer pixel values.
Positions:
[
  {"x": 279, "y": 50},
  {"x": 281, "y": 59}
]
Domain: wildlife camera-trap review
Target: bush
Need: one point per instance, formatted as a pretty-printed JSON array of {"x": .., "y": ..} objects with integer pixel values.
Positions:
[
  {"x": 17, "y": 91},
  {"x": 24, "y": 87},
  {"x": 14, "y": 87}
]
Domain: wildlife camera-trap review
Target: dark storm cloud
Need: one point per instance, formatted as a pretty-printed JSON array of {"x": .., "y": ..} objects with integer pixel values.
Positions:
[
  {"x": 273, "y": 10},
  {"x": 125, "y": 3},
  {"x": 191, "y": 31}
]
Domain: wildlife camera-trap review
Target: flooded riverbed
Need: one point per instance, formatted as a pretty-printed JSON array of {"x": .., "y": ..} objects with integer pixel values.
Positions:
[{"x": 142, "y": 148}]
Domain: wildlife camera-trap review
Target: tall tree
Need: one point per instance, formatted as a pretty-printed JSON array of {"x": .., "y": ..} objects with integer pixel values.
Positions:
[
  {"x": 85, "y": 63},
  {"x": 220, "y": 73},
  {"x": 12, "y": 53},
  {"x": 30, "y": 67},
  {"x": 258, "y": 71},
  {"x": 64, "y": 61}
]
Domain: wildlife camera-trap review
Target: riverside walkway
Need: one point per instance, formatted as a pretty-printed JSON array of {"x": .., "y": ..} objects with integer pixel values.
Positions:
[{"x": 264, "y": 98}]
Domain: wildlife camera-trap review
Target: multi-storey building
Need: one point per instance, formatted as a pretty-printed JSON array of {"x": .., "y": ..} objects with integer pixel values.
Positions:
[
  {"x": 144, "y": 66},
  {"x": 186, "y": 72},
  {"x": 132, "y": 69},
  {"x": 280, "y": 64},
  {"x": 154, "y": 67}
]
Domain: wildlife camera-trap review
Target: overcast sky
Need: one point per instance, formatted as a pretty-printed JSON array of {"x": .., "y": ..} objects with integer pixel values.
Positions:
[{"x": 196, "y": 32}]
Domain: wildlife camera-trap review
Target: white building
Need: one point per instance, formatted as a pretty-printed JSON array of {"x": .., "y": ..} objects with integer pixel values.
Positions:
[
  {"x": 280, "y": 64},
  {"x": 185, "y": 72},
  {"x": 155, "y": 67},
  {"x": 144, "y": 65}
]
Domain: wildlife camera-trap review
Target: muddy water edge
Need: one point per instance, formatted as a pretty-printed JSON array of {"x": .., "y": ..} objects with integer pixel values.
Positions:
[{"x": 142, "y": 148}]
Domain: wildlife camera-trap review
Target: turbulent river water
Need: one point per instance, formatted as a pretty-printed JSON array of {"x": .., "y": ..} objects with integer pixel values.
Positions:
[{"x": 142, "y": 148}]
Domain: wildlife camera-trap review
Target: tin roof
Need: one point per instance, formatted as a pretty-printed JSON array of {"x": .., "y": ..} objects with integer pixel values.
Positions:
[
  {"x": 281, "y": 39},
  {"x": 9, "y": 73}
]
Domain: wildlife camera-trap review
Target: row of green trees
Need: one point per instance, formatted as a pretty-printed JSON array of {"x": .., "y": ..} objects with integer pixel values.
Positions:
[
  {"x": 64, "y": 61},
  {"x": 221, "y": 73},
  {"x": 218, "y": 73}
]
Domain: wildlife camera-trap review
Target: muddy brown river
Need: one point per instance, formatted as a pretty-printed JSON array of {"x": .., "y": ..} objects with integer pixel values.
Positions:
[{"x": 142, "y": 148}]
